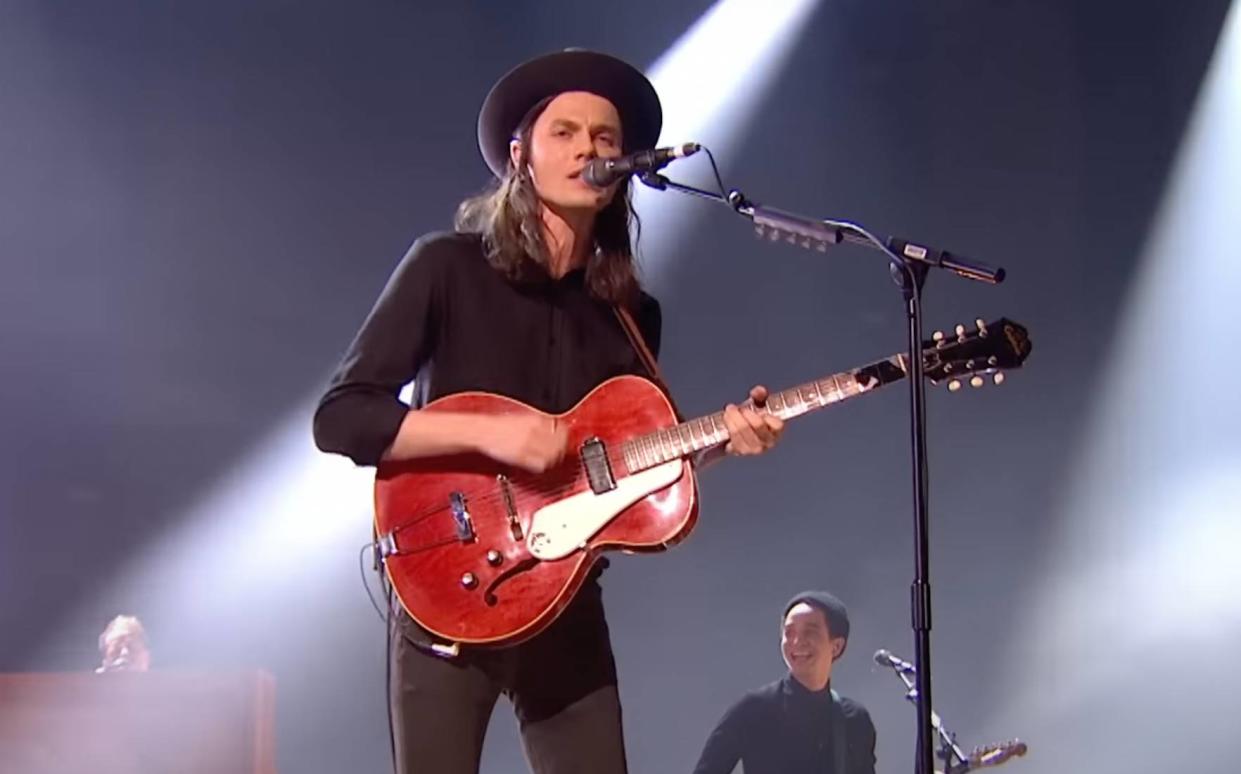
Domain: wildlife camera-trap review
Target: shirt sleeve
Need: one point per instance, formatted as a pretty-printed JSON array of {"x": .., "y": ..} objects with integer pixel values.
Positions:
[
  {"x": 361, "y": 412},
  {"x": 724, "y": 746}
]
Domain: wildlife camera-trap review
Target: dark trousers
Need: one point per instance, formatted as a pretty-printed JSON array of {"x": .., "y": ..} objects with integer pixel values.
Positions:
[{"x": 562, "y": 684}]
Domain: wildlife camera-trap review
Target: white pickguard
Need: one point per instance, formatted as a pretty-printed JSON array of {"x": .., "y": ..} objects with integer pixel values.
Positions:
[{"x": 563, "y": 527}]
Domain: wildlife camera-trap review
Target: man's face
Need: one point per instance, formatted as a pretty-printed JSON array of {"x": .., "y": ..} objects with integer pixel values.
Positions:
[
  {"x": 125, "y": 650},
  {"x": 808, "y": 646},
  {"x": 574, "y": 128}
]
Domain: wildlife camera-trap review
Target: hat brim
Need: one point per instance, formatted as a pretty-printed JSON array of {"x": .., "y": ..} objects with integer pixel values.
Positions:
[{"x": 523, "y": 87}]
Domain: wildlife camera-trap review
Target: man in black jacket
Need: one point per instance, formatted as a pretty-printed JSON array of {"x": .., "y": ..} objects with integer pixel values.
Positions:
[
  {"x": 798, "y": 724},
  {"x": 523, "y": 299}
]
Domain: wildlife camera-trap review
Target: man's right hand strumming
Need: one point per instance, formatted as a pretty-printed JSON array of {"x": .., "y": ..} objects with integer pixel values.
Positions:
[{"x": 532, "y": 442}]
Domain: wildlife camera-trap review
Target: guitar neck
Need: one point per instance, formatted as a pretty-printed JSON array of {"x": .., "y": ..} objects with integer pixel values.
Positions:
[{"x": 689, "y": 438}]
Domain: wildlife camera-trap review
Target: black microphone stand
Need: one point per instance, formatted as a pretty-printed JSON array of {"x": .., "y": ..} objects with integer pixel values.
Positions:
[{"x": 908, "y": 265}]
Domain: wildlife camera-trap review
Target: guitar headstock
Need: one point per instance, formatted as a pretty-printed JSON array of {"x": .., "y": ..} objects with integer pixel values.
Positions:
[
  {"x": 995, "y": 754},
  {"x": 972, "y": 353}
]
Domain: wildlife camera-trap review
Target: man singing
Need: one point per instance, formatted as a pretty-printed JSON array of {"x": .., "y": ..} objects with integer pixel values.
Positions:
[{"x": 524, "y": 299}]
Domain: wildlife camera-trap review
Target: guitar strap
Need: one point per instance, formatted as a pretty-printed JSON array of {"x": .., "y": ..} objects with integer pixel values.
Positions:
[
  {"x": 634, "y": 333},
  {"x": 838, "y": 734}
]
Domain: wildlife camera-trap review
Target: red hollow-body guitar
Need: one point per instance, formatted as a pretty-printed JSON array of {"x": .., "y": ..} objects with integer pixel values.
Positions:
[{"x": 482, "y": 553}]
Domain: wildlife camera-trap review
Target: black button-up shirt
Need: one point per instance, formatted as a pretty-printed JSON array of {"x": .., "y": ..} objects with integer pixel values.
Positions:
[{"x": 454, "y": 322}]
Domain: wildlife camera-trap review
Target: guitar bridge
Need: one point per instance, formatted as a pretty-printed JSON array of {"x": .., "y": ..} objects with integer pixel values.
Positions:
[
  {"x": 461, "y": 517},
  {"x": 510, "y": 506},
  {"x": 598, "y": 469}
]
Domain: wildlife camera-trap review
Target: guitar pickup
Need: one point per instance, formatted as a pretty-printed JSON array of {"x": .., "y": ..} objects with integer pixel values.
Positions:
[
  {"x": 598, "y": 470},
  {"x": 461, "y": 517}
]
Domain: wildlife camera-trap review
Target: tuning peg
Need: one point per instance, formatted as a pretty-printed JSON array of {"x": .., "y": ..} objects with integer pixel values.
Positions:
[
  {"x": 998, "y": 378},
  {"x": 954, "y": 385},
  {"x": 961, "y": 332},
  {"x": 976, "y": 381},
  {"x": 993, "y": 361},
  {"x": 937, "y": 336},
  {"x": 982, "y": 327}
]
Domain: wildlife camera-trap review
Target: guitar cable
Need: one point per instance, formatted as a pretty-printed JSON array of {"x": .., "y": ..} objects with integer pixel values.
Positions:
[{"x": 388, "y": 618}]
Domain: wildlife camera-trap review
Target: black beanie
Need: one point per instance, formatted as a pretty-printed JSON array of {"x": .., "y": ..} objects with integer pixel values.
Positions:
[{"x": 833, "y": 610}]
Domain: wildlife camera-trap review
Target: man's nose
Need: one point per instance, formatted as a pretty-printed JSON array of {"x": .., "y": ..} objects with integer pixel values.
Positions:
[{"x": 586, "y": 147}]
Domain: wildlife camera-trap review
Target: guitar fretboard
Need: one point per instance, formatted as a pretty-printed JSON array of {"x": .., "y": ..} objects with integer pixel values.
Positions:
[{"x": 691, "y": 437}]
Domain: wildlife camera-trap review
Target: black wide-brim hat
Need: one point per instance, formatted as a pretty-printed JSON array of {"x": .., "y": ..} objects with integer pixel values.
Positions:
[{"x": 574, "y": 69}]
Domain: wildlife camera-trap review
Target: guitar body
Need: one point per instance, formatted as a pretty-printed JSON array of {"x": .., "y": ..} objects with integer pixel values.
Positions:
[{"x": 482, "y": 553}]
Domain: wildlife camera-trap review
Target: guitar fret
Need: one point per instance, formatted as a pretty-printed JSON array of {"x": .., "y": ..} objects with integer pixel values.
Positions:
[
  {"x": 828, "y": 387},
  {"x": 833, "y": 386},
  {"x": 775, "y": 403},
  {"x": 818, "y": 394},
  {"x": 803, "y": 404},
  {"x": 695, "y": 434},
  {"x": 708, "y": 428},
  {"x": 665, "y": 444},
  {"x": 843, "y": 390},
  {"x": 782, "y": 400},
  {"x": 704, "y": 438},
  {"x": 792, "y": 399}
]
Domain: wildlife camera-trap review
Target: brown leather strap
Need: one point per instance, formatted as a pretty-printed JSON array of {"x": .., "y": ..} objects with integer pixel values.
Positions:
[{"x": 644, "y": 353}]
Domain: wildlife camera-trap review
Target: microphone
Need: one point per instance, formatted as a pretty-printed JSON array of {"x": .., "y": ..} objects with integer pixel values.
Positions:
[
  {"x": 884, "y": 658},
  {"x": 601, "y": 173}
]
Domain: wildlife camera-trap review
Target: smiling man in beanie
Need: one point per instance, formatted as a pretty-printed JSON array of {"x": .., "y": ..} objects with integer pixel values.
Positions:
[
  {"x": 526, "y": 299},
  {"x": 798, "y": 724}
]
